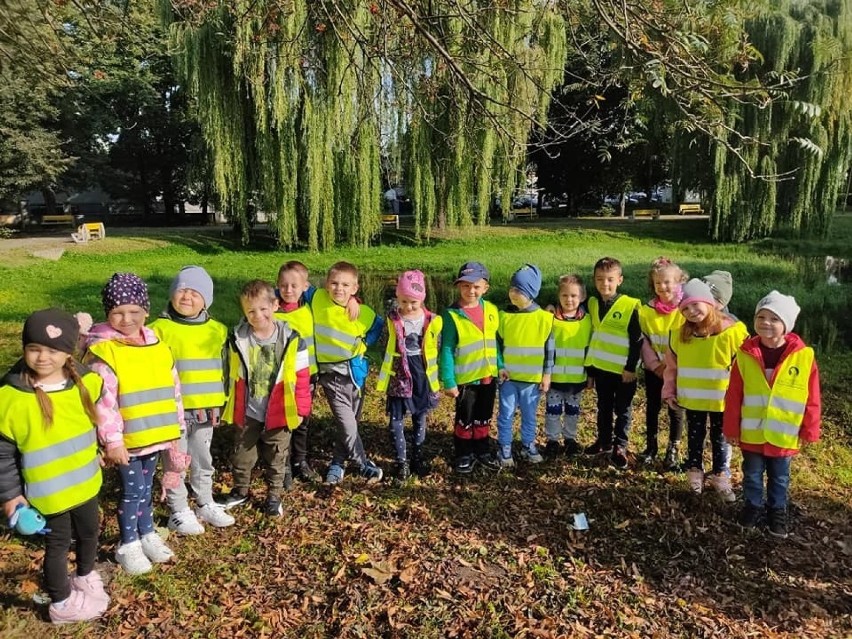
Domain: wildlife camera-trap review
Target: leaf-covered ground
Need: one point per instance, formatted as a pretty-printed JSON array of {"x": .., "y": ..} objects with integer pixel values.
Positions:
[{"x": 493, "y": 555}]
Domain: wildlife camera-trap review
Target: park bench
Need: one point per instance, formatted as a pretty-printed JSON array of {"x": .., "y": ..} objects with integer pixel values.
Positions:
[
  {"x": 390, "y": 219},
  {"x": 529, "y": 212},
  {"x": 653, "y": 213},
  {"x": 50, "y": 220},
  {"x": 690, "y": 209}
]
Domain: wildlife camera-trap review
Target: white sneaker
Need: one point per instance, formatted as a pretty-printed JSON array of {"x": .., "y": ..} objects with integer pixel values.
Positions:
[
  {"x": 721, "y": 483},
  {"x": 155, "y": 548},
  {"x": 214, "y": 515},
  {"x": 132, "y": 558},
  {"x": 695, "y": 478},
  {"x": 185, "y": 523}
]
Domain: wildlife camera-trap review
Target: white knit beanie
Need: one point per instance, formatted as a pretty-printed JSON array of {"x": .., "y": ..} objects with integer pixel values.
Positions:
[{"x": 784, "y": 306}]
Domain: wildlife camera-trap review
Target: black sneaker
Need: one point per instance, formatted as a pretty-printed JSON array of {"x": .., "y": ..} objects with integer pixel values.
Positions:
[
  {"x": 778, "y": 522},
  {"x": 552, "y": 449},
  {"x": 303, "y": 472},
  {"x": 749, "y": 516},
  {"x": 618, "y": 458},
  {"x": 234, "y": 499},
  {"x": 648, "y": 456},
  {"x": 421, "y": 467},
  {"x": 596, "y": 448},
  {"x": 288, "y": 479},
  {"x": 273, "y": 507},
  {"x": 371, "y": 472},
  {"x": 401, "y": 471},
  {"x": 671, "y": 461},
  {"x": 464, "y": 465},
  {"x": 571, "y": 448},
  {"x": 488, "y": 461}
]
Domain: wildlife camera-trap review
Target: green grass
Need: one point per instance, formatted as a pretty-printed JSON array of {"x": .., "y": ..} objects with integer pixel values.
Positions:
[{"x": 493, "y": 555}]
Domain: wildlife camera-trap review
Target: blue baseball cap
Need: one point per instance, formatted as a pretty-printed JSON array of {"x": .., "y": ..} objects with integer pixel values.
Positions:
[{"x": 472, "y": 272}]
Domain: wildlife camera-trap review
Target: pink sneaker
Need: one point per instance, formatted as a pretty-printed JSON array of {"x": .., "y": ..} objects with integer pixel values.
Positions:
[
  {"x": 78, "y": 607},
  {"x": 695, "y": 478},
  {"x": 93, "y": 587},
  {"x": 721, "y": 483}
]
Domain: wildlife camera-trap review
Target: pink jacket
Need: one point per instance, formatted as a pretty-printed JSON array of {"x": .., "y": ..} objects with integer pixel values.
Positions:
[
  {"x": 670, "y": 374},
  {"x": 110, "y": 422}
]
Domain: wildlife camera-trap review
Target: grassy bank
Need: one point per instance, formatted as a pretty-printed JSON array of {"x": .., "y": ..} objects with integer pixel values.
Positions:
[{"x": 492, "y": 556}]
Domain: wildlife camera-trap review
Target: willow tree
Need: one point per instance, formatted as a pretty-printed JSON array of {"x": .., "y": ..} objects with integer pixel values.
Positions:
[
  {"x": 785, "y": 164},
  {"x": 299, "y": 100}
]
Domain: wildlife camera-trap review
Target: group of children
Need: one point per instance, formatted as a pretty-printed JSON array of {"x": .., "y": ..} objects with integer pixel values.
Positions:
[{"x": 157, "y": 391}]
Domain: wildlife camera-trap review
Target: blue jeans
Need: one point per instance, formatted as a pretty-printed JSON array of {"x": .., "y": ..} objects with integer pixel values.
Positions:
[
  {"x": 777, "y": 471},
  {"x": 522, "y": 395}
]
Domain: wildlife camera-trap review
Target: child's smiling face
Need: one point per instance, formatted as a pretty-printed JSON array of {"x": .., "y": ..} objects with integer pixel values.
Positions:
[{"x": 127, "y": 319}]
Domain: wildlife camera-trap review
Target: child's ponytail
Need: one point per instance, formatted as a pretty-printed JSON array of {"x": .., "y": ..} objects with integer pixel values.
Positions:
[
  {"x": 88, "y": 405},
  {"x": 44, "y": 403}
]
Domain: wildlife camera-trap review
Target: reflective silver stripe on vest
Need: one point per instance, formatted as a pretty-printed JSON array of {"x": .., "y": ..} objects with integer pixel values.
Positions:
[
  {"x": 136, "y": 398},
  {"x": 606, "y": 356},
  {"x": 579, "y": 353},
  {"x": 202, "y": 388},
  {"x": 608, "y": 338},
  {"x": 532, "y": 369},
  {"x": 789, "y": 405},
  {"x": 185, "y": 365},
  {"x": 340, "y": 336},
  {"x": 472, "y": 366},
  {"x": 659, "y": 340},
  {"x": 522, "y": 351},
  {"x": 703, "y": 373},
  {"x": 69, "y": 447},
  {"x": 47, "y": 487},
  {"x": 755, "y": 400},
  {"x": 701, "y": 393},
  {"x": 568, "y": 370},
  {"x": 756, "y": 424},
  {"x": 433, "y": 376},
  {"x": 334, "y": 351},
  {"x": 140, "y": 424}
]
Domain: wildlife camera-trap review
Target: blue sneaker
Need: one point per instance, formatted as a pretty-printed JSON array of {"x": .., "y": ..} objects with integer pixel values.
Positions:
[
  {"x": 505, "y": 458},
  {"x": 371, "y": 472},
  {"x": 334, "y": 475}
]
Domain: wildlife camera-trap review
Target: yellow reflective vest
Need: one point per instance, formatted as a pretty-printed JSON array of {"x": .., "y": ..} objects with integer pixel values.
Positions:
[
  {"x": 59, "y": 464},
  {"x": 302, "y": 321},
  {"x": 336, "y": 337},
  {"x": 197, "y": 349},
  {"x": 475, "y": 355},
  {"x": 704, "y": 367},
  {"x": 146, "y": 390},
  {"x": 524, "y": 336},
  {"x": 774, "y": 414},
  {"x": 431, "y": 338},
  {"x": 571, "y": 338},
  {"x": 657, "y": 326},
  {"x": 610, "y": 343}
]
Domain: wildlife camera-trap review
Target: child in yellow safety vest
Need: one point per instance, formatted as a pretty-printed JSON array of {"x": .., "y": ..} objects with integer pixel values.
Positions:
[
  {"x": 142, "y": 382},
  {"x": 49, "y": 406},
  {"x": 572, "y": 330},
  {"x": 470, "y": 363},
  {"x": 657, "y": 318},
  {"x": 772, "y": 409},
  {"x": 611, "y": 360},
  {"x": 199, "y": 345},
  {"x": 698, "y": 365},
  {"x": 525, "y": 338},
  {"x": 409, "y": 371}
]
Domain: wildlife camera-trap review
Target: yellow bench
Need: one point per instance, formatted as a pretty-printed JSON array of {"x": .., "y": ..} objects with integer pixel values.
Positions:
[
  {"x": 49, "y": 220},
  {"x": 654, "y": 213},
  {"x": 390, "y": 219},
  {"x": 690, "y": 209},
  {"x": 89, "y": 231}
]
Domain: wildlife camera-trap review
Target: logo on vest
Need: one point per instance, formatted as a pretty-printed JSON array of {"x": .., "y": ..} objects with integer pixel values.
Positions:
[
  {"x": 793, "y": 371},
  {"x": 616, "y": 315}
]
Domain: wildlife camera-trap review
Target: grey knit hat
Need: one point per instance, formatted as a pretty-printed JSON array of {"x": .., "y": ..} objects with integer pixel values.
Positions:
[
  {"x": 195, "y": 278},
  {"x": 784, "y": 306},
  {"x": 721, "y": 285}
]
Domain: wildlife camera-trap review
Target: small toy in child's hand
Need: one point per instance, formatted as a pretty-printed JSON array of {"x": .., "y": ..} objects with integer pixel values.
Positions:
[{"x": 28, "y": 521}]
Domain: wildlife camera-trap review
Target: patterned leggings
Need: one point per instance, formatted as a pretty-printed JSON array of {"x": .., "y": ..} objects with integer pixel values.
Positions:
[{"x": 136, "y": 508}]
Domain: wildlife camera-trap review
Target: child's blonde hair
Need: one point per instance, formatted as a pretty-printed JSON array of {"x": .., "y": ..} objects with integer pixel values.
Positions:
[
  {"x": 660, "y": 265},
  {"x": 343, "y": 267},
  {"x": 293, "y": 265},
  {"x": 43, "y": 399},
  {"x": 710, "y": 325},
  {"x": 257, "y": 288},
  {"x": 572, "y": 278}
]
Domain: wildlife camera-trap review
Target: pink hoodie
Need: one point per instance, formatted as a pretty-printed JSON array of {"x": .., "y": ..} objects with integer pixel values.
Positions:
[{"x": 110, "y": 422}]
